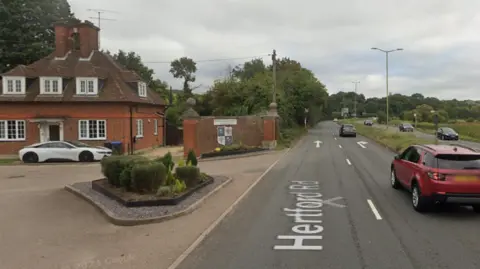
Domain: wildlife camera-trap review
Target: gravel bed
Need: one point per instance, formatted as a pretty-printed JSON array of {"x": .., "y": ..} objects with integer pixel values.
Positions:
[{"x": 139, "y": 213}]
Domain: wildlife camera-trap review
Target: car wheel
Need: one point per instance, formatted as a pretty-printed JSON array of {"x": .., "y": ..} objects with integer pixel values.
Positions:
[
  {"x": 476, "y": 208},
  {"x": 85, "y": 156},
  {"x": 420, "y": 203},
  {"x": 30, "y": 157},
  {"x": 393, "y": 180}
]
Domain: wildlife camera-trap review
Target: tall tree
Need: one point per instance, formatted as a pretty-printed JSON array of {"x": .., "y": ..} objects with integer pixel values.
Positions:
[
  {"x": 27, "y": 33},
  {"x": 185, "y": 69}
]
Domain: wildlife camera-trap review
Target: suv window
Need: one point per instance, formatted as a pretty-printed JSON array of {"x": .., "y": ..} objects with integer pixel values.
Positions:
[
  {"x": 414, "y": 155},
  {"x": 429, "y": 160},
  {"x": 458, "y": 161}
]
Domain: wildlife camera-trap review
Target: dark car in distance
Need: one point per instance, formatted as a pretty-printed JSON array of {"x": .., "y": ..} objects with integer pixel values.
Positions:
[
  {"x": 405, "y": 127},
  {"x": 445, "y": 133},
  {"x": 368, "y": 122},
  {"x": 347, "y": 130},
  {"x": 438, "y": 174}
]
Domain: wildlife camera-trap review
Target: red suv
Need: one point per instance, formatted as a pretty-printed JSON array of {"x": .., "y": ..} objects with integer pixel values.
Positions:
[{"x": 437, "y": 174}]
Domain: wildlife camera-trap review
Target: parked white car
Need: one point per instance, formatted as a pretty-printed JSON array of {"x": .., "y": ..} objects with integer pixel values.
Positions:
[{"x": 62, "y": 150}]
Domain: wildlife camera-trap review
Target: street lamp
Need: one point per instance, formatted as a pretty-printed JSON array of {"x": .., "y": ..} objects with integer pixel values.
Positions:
[
  {"x": 386, "y": 70},
  {"x": 355, "y": 102}
]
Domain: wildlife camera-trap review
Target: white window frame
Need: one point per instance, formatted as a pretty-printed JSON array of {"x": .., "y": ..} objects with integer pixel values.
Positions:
[
  {"x": 142, "y": 89},
  {"x": 50, "y": 81},
  {"x": 82, "y": 86},
  {"x": 4, "y": 130},
  {"x": 16, "y": 85},
  {"x": 155, "y": 127},
  {"x": 86, "y": 135},
  {"x": 139, "y": 128}
]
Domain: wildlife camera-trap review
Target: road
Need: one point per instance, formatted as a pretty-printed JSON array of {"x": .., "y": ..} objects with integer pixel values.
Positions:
[
  {"x": 431, "y": 137},
  {"x": 356, "y": 220}
]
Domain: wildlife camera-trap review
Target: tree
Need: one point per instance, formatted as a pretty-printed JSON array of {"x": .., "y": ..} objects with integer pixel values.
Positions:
[
  {"x": 27, "y": 33},
  {"x": 185, "y": 69},
  {"x": 249, "y": 92}
]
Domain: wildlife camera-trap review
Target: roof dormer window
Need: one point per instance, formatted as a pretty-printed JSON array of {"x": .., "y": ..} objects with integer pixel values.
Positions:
[
  {"x": 142, "y": 89},
  {"x": 87, "y": 86},
  {"x": 51, "y": 85},
  {"x": 14, "y": 85}
]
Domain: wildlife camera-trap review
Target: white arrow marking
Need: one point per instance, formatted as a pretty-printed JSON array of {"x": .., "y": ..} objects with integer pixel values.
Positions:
[
  {"x": 362, "y": 144},
  {"x": 318, "y": 142},
  {"x": 331, "y": 202}
]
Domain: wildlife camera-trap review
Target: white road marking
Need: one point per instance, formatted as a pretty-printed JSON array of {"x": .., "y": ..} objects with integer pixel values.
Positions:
[
  {"x": 335, "y": 138},
  {"x": 318, "y": 142},
  {"x": 374, "y": 209},
  {"x": 212, "y": 226},
  {"x": 362, "y": 144},
  {"x": 340, "y": 146},
  {"x": 348, "y": 161}
]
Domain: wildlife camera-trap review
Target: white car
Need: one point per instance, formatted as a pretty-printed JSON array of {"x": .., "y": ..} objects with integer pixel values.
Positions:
[{"x": 62, "y": 150}]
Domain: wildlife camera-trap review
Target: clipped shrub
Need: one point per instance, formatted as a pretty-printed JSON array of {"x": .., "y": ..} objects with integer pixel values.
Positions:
[
  {"x": 164, "y": 191},
  {"x": 192, "y": 158},
  {"x": 168, "y": 161},
  {"x": 148, "y": 177},
  {"x": 189, "y": 174},
  {"x": 113, "y": 166},
  {"x": 126, "y": 175}
]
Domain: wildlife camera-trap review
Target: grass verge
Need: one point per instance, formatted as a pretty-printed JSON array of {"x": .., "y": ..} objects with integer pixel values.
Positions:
[
  {"x": 395, "y": 141},
  {"x": 8, "y": 161},
  {"x": 288, "y": 137}
]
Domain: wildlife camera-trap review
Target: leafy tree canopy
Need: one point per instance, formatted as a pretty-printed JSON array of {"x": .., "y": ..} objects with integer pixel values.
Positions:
[{"x": 27, "y": 33}]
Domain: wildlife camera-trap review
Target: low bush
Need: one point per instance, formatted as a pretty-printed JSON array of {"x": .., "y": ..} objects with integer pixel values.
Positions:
[
  {"x": 189, "y": 174},
  {"x": 148, "y": 177},
  {"x": 113, "y": 166}
]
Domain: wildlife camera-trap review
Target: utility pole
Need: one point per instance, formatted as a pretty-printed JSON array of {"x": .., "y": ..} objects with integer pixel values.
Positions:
[
  {"x": 355, "y": 102},
  {"x": 274, "y": 67},
  {"x": 100, "y": 19}
]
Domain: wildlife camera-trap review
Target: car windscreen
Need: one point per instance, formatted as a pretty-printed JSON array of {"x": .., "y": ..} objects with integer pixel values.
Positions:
[
  {"x": 407, "y": 125},
  {"x": 78, "y": 144},
  {"x": 448, "y": 131},
  {"x": 458, "y": 161},
  {"x": 348, "y": 126}
]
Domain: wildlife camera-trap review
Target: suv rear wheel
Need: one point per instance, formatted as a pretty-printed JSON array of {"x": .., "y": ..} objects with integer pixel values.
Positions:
[{"x": 420, "y": 203}]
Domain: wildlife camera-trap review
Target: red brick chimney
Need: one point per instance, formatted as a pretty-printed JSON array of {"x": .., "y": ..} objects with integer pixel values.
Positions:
[{"x": 87, "y": 36}]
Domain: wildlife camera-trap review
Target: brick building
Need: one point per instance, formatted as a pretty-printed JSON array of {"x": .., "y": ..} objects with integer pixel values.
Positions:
[{"x": 78, "y": 93}]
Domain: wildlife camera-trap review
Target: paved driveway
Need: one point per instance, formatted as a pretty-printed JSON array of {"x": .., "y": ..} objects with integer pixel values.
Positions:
[{"x": 44, "y": 226}]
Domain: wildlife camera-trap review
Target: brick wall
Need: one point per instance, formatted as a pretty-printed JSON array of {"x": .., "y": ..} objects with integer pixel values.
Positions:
[
  {"x": 200, "y": 133},
  {"x": 117, "y": 116}
]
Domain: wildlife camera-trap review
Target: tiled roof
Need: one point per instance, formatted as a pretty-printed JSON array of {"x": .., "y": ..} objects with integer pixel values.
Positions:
[{"x": 117, "y": 83}]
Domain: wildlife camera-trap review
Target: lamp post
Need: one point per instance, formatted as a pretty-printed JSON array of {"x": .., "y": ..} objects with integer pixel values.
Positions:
[
  {"x": 355, "y": 102},
  {"x": 386, "y": 69}
]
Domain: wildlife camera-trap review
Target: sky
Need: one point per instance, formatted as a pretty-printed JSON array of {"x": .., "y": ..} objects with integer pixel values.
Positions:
[{"x": 440, "y": 40}]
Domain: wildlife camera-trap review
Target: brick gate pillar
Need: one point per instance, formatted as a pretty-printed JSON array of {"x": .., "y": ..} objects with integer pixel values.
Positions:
[
  {"x": 190, "y": 129},
  {"x": 270, "y": 127}
]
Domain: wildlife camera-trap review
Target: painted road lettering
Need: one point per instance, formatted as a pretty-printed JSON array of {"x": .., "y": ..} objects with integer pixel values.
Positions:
[{"x": 306, "y": 215}]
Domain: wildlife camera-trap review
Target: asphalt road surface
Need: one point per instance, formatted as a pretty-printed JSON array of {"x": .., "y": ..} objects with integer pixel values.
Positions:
[
  {"x": 347, "y": 215},
  {"x": 431, "y": 136}
]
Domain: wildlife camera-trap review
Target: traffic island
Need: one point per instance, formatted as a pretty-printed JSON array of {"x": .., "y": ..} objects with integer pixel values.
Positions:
[{"x": 137, "y": 190}]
